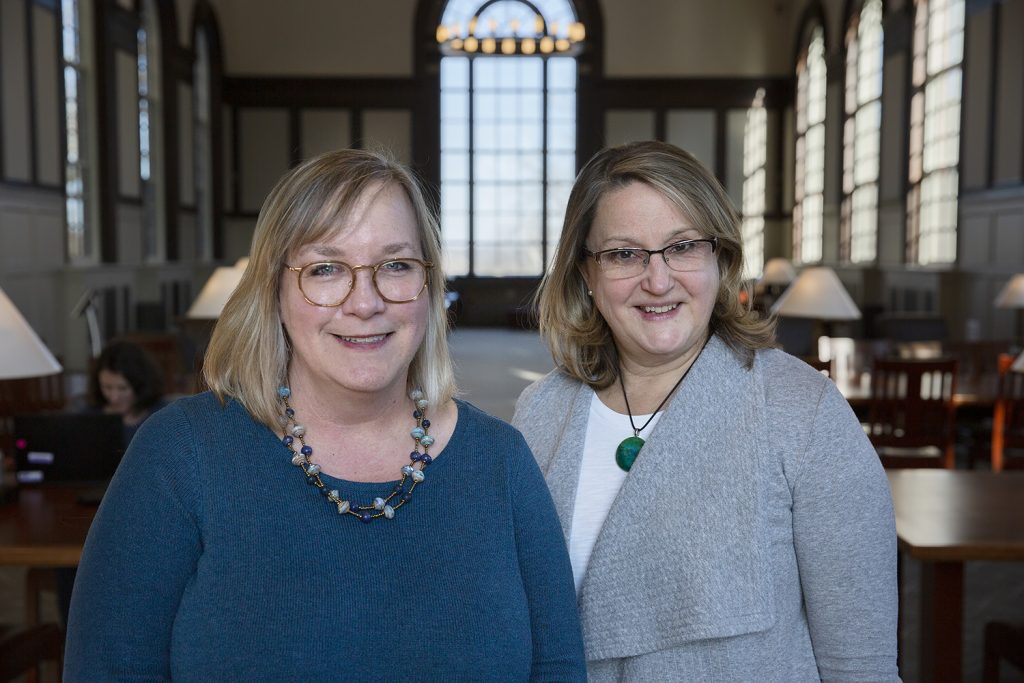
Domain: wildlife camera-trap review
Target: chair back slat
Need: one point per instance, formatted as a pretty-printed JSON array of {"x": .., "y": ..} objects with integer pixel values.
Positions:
[{"x": 912, "y": 408}]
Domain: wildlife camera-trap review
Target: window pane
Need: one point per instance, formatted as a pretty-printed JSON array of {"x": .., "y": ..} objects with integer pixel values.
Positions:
[
  {"x": 510, "y": 128},
  {"x": 935, "y": 132},
  {"x": 810, "y": 151}
]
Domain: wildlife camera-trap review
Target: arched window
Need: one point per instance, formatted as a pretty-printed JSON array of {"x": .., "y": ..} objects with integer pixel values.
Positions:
[
  {"x": 508, "y": 132},
  {"x": 858, "y": 226},
  {"x": 81, "y": 237},
  {"x": 150, "y": 126},
  {"x": 203, "y": 149},
  {"x": 935, "y": 131},
  {"x": 809, "y": 185},
  {"x": 755, "y": 157}
]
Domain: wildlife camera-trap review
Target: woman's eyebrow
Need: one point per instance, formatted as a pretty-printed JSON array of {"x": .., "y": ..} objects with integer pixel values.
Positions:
[{"x": 328, "y": 251}]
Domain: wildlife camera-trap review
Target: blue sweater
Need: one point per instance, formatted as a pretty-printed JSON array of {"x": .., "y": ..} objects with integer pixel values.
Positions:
[{"x": 212, "y": 559}]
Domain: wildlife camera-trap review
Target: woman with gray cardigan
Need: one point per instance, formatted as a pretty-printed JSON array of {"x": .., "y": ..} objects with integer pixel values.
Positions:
[{"x": 726, "y": 517}]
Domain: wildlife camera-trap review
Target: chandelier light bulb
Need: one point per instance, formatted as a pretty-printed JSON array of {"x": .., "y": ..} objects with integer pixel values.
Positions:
[
  {"x": 538, "y": 24},
  {"x": 442, "y": 33},
  {"x": 508, "y": 46},
  {"x": 470, "y": 44},
  {"x": 529, "y": 46},
  {"x": 577, "y": 32},
  {"x": 547, "y": 45},
  {"x": 487, "y": 45},
  {"x": 562, "y": 45},
  {"x": 472, "y": 26},
  {"x": 456, "y": 43}
]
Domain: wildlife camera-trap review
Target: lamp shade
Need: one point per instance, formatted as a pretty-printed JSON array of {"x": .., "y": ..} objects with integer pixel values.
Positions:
[
  {"x": 778, "y": 271},
  {"x": 215, "y": 293},
  {"x": 1012, "y": 293},
  {"x": 22, "y": 352},
  {"x": 818, "y": 294}
]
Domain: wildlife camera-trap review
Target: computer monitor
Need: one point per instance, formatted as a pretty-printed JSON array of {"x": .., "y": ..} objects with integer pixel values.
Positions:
[{"x": 67, "y": 447}]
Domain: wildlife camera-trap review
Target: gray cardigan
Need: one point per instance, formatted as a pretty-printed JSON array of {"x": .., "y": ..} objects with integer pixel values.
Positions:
[{"x": 752, "y": 540}]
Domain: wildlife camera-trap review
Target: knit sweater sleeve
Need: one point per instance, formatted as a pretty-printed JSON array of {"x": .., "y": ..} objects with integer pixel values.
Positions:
[
  {"x": 547, "y": 575},
  {"x": 141, "y": 552},
  {"x": 845, "y": 539}
]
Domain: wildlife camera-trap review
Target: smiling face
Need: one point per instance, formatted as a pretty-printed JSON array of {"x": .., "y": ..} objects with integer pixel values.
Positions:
[
  {"x": 661, "y": 316},
  {"x": 365, "y": 345}
]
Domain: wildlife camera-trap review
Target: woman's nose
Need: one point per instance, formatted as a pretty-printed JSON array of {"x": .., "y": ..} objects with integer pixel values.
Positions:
[
  {"x": 657, "y": 277},
  {"x": 364, "y": 300}
]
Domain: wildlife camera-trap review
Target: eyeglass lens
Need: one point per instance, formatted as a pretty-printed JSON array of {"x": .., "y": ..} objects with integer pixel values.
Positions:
[{"x": 329, "y": 283}]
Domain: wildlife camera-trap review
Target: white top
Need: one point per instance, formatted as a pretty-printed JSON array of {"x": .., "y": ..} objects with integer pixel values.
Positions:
[{"x": 600, "y": 479}]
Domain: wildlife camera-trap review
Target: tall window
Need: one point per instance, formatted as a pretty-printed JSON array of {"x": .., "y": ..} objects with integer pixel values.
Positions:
[
  {"x": 203, "y": 153},
  {"x": 809, "y": 186},
  {"x": 508, "y": 132},
  {"x": 80, "y": 241},
  {"x": 150, "y": 145},
  {"x": 755, "y": 155},
  {"x": 935, "y": 131},
  {"x": 858, "y": 227}
]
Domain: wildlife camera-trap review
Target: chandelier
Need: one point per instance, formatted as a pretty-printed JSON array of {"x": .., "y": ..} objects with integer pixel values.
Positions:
[{"x": 511, "y": 37}]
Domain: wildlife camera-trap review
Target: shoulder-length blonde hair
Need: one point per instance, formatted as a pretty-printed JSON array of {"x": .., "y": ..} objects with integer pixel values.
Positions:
[
  {"x": 580, "y": 339},
  {"x": 248, "y": 355}
]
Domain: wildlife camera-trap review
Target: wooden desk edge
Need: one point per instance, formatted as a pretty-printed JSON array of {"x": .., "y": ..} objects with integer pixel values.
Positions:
[
  {"x": 36, "y": 556},
  {"x": 966, "y": 553}
]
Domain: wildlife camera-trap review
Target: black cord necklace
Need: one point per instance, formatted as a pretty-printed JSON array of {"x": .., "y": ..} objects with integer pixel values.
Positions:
[{"x": 629, "y": 448}]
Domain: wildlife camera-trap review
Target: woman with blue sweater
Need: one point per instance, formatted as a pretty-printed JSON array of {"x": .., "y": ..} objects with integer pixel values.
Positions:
[
  {"x": 727, "y": 519},
  {"x": 328, "y": 511}
]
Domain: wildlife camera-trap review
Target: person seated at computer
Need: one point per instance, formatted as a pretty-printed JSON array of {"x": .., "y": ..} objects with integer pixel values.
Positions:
[
  {"x": 127, "y": 382},
  {"x": 124, "y": 381}
]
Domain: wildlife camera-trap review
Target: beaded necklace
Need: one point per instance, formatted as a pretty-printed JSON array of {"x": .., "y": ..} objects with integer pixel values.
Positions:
[{"x": 380, "y": 507}]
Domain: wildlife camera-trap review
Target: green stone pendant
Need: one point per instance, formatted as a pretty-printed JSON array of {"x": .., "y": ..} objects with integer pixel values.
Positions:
[{"x": 625, "y": 454}]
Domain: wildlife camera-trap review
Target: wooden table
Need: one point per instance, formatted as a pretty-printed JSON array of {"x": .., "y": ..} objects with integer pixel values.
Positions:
[
  {"x": 44, "y": 527},
  {"x": 945, "y": 518}
]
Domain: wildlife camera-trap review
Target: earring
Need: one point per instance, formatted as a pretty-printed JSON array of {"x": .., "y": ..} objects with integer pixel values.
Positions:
[{"x": 590, "y": 292}]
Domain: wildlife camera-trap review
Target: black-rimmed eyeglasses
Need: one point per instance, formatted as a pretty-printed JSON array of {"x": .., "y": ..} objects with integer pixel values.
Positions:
[
  {"x": 329, "y": 283},
  {"x": 684, "y": 256}
]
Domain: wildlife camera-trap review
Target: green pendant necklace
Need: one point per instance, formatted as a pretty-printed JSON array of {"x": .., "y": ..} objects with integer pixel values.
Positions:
[{"x": 629, "y": 448}]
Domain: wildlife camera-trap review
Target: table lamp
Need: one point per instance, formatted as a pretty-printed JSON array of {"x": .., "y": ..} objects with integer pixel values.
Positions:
[
  {"x": 817, "y": 293},
  {"x": 22, "y": 353},
  {"x": 1012, "y": 296},
  {"x": 217, "y": 291},
  {"x": 778, "y": 272}
]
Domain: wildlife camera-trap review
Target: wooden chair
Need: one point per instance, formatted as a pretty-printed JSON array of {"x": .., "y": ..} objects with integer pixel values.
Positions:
[
  {"x": 1002, "y": 641},
  {"x": 1008, "y": 419},
  {"x": 23, "y": 650},
  {"x": 910, "y": 416}
]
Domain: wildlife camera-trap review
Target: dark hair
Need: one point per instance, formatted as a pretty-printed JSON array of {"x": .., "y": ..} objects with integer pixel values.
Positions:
[{"x": 135, "y": 365}]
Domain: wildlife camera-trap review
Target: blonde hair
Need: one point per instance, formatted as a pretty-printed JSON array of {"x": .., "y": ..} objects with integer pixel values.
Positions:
[
  {"x": 580, "y": 339},
  {"x": 248, "y": 355}
]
